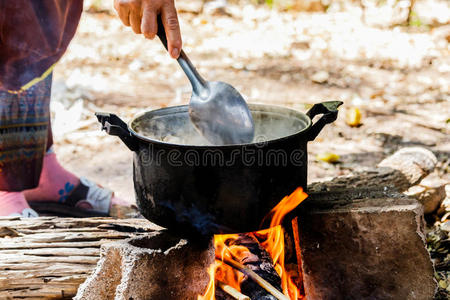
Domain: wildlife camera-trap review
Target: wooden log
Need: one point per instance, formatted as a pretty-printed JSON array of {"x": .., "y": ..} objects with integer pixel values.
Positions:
[
  {"x": 41, "y": 266},
  {"x": 13, "y": 258},
  {"x": 49, "y": 257},
  {"x": 403, "y": 169},
  {"x": 21, "y": 245},
  {"x": 55, "y": 252}
]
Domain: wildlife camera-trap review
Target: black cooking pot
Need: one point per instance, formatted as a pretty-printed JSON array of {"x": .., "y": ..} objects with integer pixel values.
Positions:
[{"x": 196, "y": 189}]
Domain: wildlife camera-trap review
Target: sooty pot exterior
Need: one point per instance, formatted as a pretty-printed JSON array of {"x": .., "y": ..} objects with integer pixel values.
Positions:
[{"x": 197, "y": 191}]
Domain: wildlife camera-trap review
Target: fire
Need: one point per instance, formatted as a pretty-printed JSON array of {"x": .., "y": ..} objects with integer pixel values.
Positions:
[{"x": 271, "y": 239}]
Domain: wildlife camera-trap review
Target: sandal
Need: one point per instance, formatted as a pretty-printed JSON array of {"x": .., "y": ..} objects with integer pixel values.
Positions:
[
  {"x": 26, "y": 213},
  {"x": 87, "y": 191}
]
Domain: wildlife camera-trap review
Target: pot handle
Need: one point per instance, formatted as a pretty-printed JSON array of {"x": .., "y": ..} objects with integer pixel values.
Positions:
[
  {"x": 113, "y": 125},
  {"x": 329, "y": 110}
]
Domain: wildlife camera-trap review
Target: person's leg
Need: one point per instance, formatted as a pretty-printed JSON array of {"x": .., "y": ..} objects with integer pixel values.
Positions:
[
  {"x": 28, "y": 166},
  {"x": 55, "y": 184},
  {"x": 24, "y": 121},
  {"x": 59, "y": 185},
  {"x": 14, "y": 203}
]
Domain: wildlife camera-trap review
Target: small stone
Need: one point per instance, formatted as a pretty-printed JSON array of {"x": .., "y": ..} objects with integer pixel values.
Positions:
[
  {"x": 320, "y": 77},
  {"x": 445, "y": 227},
  {"x": 135, "y": 65},
  {"x": 216, "y": 8},
  {"x": 191, "y": 6},
  {"x": 430, "y": 197}
]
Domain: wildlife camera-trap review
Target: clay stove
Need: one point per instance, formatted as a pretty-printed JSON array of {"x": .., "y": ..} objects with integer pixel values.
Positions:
[{"x": 359, "y": 238}]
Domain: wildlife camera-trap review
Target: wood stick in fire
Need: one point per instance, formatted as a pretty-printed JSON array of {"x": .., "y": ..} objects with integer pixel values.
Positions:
[
  {"x": 262, "y": 281},
  {"x": 232, "y": 291}
]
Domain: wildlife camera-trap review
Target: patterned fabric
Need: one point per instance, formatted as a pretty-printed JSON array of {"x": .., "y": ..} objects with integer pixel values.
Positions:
[{"x": 24, "y": 135}]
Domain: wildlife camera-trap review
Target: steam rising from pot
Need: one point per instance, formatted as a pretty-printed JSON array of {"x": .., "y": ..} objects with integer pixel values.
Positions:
[{"x": 174, "y": 126}]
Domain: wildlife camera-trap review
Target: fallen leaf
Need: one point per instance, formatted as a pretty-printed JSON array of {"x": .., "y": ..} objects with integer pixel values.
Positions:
[
  {"x": 353, "y": 117},
  {"x": 328, "y": 157}
]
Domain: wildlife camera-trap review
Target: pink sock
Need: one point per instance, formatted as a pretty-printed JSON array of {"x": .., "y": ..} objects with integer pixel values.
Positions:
[
  {"x": 55, "y": 183},
  {"x": 12, "y": 202}
]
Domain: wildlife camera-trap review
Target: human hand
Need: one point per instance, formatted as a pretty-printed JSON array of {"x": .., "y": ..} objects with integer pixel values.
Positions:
[{"x": 141, "y": 16}]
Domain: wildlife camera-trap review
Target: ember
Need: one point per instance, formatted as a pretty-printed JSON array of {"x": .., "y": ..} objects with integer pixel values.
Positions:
[{"x": 235, "y": 251}]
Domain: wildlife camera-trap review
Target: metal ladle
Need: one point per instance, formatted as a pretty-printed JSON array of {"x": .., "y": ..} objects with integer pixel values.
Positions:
[{"x": 216, "y": 108}]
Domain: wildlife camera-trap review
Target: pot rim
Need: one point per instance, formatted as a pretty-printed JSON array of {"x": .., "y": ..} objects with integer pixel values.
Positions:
[{"x": 252, "y": 106}]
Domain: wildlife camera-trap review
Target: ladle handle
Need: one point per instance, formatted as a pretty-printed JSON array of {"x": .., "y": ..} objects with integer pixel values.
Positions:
[{"x": 198, "y": 83}]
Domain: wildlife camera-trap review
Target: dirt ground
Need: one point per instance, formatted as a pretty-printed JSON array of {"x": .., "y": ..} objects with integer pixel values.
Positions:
[{"x": 397, "y": 76}]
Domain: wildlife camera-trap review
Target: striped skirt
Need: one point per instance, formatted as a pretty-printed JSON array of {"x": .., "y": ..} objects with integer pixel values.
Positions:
[{"x": 25, "y": 135}]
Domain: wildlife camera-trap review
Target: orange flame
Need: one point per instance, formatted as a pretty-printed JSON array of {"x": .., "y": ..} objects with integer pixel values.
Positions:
[{"x": 273, "y": 243}]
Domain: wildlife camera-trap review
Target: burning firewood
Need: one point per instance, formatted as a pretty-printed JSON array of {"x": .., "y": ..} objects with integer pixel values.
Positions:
[
  {"x": 231, "y": 291},
  {"x": 259, "y": 261},
  {"x": 261, "y": 281},
  {"x": 273, "y": 292}
]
